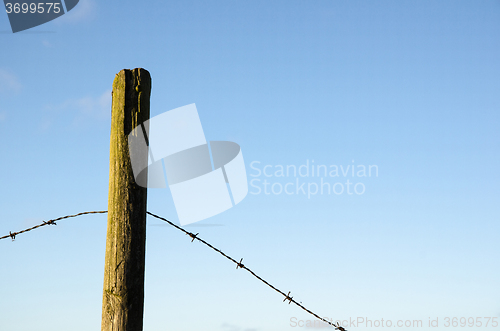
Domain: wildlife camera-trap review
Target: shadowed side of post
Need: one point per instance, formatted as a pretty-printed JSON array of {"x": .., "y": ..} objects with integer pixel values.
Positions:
[{"x": 123, "y": 291}]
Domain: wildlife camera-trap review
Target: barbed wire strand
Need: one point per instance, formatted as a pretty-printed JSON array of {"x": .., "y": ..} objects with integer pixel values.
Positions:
[
  {"x": 242, "y": 266},
  {"x": 13, "y": 235},
  {"x": 239, "y": 264}
]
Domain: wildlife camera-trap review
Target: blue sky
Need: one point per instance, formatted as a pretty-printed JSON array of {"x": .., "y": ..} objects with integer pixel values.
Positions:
[{"x": 411, "y": 87}]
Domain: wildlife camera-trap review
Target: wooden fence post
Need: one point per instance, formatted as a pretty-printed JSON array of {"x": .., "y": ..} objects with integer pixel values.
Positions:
[{"x": 123, "y": 291}]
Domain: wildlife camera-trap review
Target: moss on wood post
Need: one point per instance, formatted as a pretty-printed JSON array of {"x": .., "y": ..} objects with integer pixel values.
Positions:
[{"x": 123, "y": 293}]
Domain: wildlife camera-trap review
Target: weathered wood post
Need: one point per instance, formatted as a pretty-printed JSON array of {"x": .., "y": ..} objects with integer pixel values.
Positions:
[{"x": 123, "y": 293}]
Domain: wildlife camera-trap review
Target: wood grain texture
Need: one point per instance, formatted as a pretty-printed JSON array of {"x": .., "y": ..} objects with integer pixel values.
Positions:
[{"x": 123, "y": 291}]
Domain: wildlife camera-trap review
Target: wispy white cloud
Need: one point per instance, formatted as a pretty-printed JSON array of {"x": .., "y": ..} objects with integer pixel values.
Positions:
[
  {"x": 45, "y": 125},
  {"x": 94, "y": 107},
  {"x": 84, "y": 10},
  {"x": 82, "y": 110},
  {"x": 9, "y": 82}
]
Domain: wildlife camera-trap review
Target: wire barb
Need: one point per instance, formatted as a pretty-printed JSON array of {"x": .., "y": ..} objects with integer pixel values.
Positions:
[
  {"x": 240, "y": 265},
  {"x": 288, "y": 297},
  {"x": 338, "y": 327},
  {"x": 192, "y": 235}
]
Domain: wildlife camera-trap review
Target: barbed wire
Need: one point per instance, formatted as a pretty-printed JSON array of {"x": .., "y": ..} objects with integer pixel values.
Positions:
[
  {"x": 239, "y": 264},
  {"x": 13, "y": 235},
  {"x": 242, "y": 266}
]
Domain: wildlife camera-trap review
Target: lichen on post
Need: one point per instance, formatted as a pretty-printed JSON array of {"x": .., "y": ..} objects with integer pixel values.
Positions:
[{"x": 123, "y": 291}]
